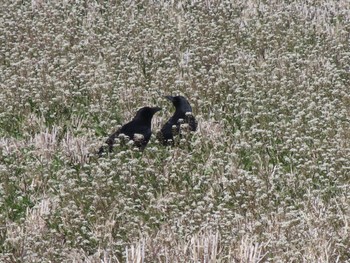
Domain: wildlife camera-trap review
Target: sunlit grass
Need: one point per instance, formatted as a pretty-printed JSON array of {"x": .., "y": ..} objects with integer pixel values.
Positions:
[{"x": 263, "y": 179}]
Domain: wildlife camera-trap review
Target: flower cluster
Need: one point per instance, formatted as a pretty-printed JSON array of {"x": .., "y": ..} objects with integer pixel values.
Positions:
[{"x": 264, "y": 178}]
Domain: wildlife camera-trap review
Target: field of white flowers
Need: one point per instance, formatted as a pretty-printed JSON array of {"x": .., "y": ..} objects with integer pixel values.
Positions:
[{"x": 264, "y": 179}]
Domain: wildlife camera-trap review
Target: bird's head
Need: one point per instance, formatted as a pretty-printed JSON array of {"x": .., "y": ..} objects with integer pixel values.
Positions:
[
  {"x": 146, "y": 113},
  {"x": 180, "y": 103}
]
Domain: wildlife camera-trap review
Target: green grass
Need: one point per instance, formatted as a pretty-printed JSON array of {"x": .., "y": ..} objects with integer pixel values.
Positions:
[{"x": 263, "y": 179}]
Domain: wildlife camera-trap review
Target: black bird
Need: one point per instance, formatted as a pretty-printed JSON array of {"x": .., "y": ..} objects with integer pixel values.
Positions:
[
  {"x": 183, "y": 111},
  {"x": 140, "y": 124}
]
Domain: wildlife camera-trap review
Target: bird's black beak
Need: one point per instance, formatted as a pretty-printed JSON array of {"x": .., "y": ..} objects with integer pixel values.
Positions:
[{"x": 171, "y": 98}]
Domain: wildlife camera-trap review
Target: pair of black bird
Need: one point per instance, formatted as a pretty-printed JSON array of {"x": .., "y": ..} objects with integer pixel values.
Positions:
[{"x": 141, "y": 124}]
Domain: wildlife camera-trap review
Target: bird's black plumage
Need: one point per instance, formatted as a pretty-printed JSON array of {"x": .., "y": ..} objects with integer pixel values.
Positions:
[
  {"x": 140, "y": 124},
  {"x": 183, "y": 111}
]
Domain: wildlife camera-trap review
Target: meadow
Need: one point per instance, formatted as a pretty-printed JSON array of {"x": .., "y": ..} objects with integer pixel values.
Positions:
[{"x": 265, "y": 178}]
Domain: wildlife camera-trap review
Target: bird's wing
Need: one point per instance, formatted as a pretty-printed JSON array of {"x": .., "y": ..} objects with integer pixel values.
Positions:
[
  {"x": 128, "y": 129},
  {"x": 133, "y": 127}
]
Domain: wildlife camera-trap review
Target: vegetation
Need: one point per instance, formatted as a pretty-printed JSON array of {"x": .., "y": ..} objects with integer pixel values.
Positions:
[{"x": 264, "y": 179}]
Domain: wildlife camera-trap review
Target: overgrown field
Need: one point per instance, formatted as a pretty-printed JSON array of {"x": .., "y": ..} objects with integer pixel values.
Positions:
[{"x": 265, "y": 178}]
